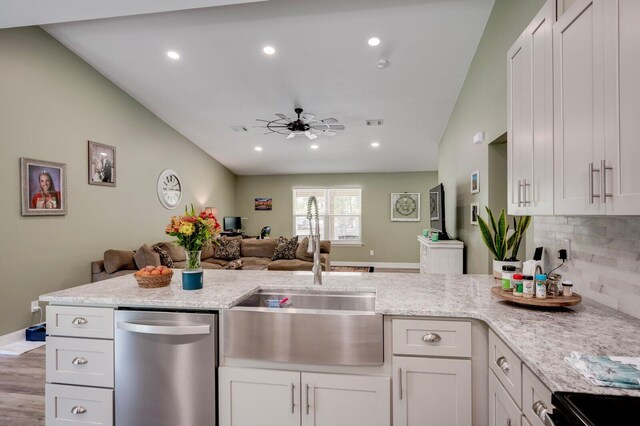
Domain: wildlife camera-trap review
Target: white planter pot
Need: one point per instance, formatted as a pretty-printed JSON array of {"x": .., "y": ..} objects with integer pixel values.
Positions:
[{"x": 497, "y": 267}]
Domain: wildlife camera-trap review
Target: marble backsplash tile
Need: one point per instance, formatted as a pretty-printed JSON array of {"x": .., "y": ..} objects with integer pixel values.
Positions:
[{"x": 605, "y": 251}]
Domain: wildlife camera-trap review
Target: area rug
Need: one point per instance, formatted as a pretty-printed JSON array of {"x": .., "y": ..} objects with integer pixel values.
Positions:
[
  {"x": 352, "y": 269},
  {"x": 18, "y": 348}
]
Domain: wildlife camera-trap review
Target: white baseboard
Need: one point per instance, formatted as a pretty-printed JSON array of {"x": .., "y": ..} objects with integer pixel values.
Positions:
[
  {"x": 16, "y": 336},
  {"x": 394, "y": 265}
]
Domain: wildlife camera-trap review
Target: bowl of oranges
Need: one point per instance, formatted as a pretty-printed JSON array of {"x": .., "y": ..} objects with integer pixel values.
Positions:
[{"x": 154, "y": 276}]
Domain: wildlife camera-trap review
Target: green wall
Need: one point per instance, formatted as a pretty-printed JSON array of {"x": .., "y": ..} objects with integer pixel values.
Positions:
[
  {"x": 481, "y": 106},
  {"x": 390, "y": 241},
  {"x": 51, "y": 104}
]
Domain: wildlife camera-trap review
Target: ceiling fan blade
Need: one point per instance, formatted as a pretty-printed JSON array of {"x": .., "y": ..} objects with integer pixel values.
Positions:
[
  {"x": 284, "y": 117},
  {"x": 320, "y": 127},
  {"x": 266, "y": 121},
  {"x": 329, "y": 121},
  {"x": 307, "y": 116},
  {"x": 291, "y": 135},
  {"x": 310, "y": 135},
  {"x": 336, "y": 127},
  {"x": 330, "y": 133}
]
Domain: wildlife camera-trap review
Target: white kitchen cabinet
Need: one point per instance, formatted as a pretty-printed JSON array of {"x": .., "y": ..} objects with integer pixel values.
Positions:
[
  {"x": 440, "y": 257},
  {"x": 530, "y": 117},
  {"x": 502, "y": 410},
  {"x": 431, "y": 391},
  {"x": 345, "y": 400},
  {"x": 249, "y": 397},
  {"x": 597, "y": 104}
]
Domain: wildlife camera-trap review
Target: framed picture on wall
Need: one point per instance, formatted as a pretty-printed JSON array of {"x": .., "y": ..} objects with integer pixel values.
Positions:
[
  {"x": 475, "y": 181},
  {"x": 43, "y": 187},
  {"x": 405, "y": 207},
  {"x": 102, "y": 164},
  {"x": 474, "y": 211},
  {"x": 263, "y": 204}
]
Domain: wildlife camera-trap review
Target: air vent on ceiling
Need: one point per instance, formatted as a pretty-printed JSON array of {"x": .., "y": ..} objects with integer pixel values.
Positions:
[
  {"x": 239, "y": 129},
  {"x": 377, "y": 122}
]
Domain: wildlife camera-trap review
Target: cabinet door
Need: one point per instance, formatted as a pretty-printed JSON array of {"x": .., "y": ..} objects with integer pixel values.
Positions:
[
  {"x": 431, "y": 391},
  {"x": 622, "y": 106},
  {"x": 578, "y": 109},
  {"x": 538, "y": 160},
  {"x": 250, "y": 397},
  {"x": 502, "y": 410},
  {"x": 345, "y": 400},
  {"x": 518, "y": 122}
]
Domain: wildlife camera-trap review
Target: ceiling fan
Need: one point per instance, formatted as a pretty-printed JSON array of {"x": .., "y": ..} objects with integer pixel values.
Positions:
[{"x": 306, "y": 124}]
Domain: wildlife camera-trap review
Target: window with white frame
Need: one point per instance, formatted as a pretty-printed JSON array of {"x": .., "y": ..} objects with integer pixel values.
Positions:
[{"x": 340, "y": 213}]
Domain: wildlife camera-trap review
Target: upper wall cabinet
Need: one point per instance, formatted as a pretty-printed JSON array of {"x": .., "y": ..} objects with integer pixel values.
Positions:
[
  {"x": 530, "y": 117},
  {"x": 596, "y": 46}
]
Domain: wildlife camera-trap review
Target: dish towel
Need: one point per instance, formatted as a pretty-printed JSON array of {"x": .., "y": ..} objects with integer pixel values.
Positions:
[{"x": 609, "y": 371}]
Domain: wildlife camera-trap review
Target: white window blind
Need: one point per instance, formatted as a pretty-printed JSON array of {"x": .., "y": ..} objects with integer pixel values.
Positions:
[{"x": 340, "y": 213}]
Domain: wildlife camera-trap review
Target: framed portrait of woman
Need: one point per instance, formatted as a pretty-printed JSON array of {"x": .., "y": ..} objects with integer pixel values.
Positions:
[
  {"x": 102, "y": 164},
  {"x": 44, "y": 187}
]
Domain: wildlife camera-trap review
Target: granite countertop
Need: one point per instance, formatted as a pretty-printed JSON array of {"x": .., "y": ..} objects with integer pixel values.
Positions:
[{"x": 541, "y": 338}]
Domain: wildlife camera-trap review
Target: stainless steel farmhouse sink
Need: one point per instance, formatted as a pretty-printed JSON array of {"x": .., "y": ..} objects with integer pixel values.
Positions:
[{"x": 306, "y": 327}]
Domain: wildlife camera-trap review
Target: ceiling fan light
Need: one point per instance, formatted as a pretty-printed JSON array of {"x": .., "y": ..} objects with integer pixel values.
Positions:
[
  {"x": 269, "y": 50},
  {"x": 314, "y": 146},
  {"x": 374, "y": 41}
]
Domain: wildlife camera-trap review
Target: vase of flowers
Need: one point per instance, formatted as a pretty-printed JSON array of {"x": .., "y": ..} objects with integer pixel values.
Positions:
[{"x": 193, "y": 231}]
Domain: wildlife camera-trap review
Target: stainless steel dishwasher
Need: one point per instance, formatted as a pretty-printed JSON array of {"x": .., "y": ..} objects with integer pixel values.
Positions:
[{"x": 165, "y": 368}]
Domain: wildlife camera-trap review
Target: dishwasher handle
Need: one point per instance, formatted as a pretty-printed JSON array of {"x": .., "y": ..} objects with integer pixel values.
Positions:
[{"x": 173, "y": 330}]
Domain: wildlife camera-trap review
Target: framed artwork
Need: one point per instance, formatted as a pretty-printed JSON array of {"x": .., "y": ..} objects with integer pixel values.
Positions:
[
  {"x": 475, "y": 181},
  {"x": 102, "y": 164},
  {"x": 264, "y": 204},
  {"x": 43, "y": 187},
  {"x": 405, "y": 207},
  {"x": 475, "y": 209},
  {"x": 434, "y": 205}
]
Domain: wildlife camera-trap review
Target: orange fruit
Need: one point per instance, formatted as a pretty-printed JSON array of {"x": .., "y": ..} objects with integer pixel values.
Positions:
[
  {"x": 166, "y": 271},
  {"x": 150, "y": 268}
]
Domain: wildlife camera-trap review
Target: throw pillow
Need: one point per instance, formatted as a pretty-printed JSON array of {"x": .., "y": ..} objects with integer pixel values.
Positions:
[
  {"x": 301, "y": 251},
  {"x": 116, "y": 260},
  {"x": 208, "y": 251},
  {"x": 228, "y": 250},
  {"x": 235, "y": 264},
  {"x": 146, "y": 256},
  {"x": 175, "y": 252},
  {"x": 285, "y": 248},
  {"x": 165, "y": 259}
]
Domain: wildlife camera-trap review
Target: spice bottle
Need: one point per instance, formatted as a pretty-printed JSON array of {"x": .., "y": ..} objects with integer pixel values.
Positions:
[
  {"x": 528, "y": 287},
  {"x": 553, "y": 289},
  {"x": 517, "y": 285},
  {"x": 567, "y": 288},
  {"x": 507, "y": 275},
  {"x": 541, "y": 286}
]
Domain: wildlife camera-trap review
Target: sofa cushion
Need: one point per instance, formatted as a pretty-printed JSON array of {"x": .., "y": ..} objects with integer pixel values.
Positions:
[
  {"x": 203, "y": 265},
  {"x": 257, "y": 248},
  {"x": 235, "y": 237},
  {"x": 165, "y": 259},
  {"x": 219, "y": 262},
  {"x": 285, "y": 248},
  {"x": 301, "y": 251},
  {"x": 228, "y": 250},
  {"x": 208, "y": 251},
  {"x": 292, "y": 265},
  {"x": 146, "y": 256},
  {"x": 255, "y": 263},
  {"x": 117, "y": 260},
  {"x": 105, "y": 275},
  {"x": 176, "y": 252}
]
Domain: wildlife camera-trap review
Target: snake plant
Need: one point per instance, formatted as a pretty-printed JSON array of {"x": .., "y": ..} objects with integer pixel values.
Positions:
[{"x": 498, "y": 242}]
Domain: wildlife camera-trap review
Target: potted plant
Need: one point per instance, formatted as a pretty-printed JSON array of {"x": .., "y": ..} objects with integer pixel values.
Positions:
[{"x": 500, "y": 243}]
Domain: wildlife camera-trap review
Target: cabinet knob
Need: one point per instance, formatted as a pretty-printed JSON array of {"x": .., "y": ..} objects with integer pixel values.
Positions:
[
  {"x": 79, "y": 360},
  {"x": 78, "y": 409},
  {"x": 542, "y": 412},
  {"x": 431, "y": 338},
  {"x": 79, "y": 321},
  {"x": 503, "y": 364}
]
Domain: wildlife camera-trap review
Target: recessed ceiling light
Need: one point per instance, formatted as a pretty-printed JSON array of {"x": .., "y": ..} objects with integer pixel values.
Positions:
[
  {"x": 375, "y": 144},
  {"x": 269, "y": 50},
  {"x": 374, "y": 41},
  {"x": 258, "y": 148},
  {"x": 173, "y": 55},
  {"x": 314, "y": 147}
]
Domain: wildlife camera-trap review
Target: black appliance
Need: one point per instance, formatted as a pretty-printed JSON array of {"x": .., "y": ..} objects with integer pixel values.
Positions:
[
  {"x": 436, "y": 211},
  {"x": 232, "y": 223},
  {"x": 583, "y": 409}
]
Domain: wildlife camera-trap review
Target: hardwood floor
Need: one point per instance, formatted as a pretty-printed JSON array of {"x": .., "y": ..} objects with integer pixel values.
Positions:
[{"x": 22, "y": 381}]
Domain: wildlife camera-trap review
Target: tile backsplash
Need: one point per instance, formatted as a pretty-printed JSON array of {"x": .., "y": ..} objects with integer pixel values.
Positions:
[{"x": 605, "y": 256}]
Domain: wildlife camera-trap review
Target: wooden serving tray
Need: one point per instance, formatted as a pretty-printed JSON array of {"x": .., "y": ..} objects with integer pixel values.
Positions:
[{"x": 553, "y": 302}]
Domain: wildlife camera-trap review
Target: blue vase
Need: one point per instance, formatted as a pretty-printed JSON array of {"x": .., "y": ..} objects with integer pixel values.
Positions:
[{"x": 192, "y": 276}]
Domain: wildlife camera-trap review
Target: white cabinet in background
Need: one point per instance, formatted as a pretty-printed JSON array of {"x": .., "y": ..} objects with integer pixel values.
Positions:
[
  {"x": 249, "y": 397},
  {"x": 530, "y": 117},
  {"x": 440, "y": 257}
]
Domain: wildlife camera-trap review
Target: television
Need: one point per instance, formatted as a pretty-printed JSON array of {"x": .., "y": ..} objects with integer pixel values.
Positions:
[
  {"x": 436, "y": 211},
  {"x": 231, "y": 223}
]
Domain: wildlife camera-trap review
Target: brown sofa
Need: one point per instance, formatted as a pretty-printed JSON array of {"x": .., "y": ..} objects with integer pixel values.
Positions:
[{"x": 255, "y": 254}]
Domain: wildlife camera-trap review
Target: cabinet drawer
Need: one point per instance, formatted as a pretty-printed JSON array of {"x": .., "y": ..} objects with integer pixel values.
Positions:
[
  {"x": 80, "y": 361},
  {"x": 502, "y": 410},
  {"x": 77, "y": 321},
  {"x": 535, "y": 397},
  {"x": 507, "y": 367},
  {"x": 432, "y": 338},
  {"x": 74, "y": 405}
]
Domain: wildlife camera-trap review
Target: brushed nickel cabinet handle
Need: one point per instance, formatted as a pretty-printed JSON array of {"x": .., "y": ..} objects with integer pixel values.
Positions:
[
  {"x": 78, "y": 409},
  {"x": 431, "y": 338},
  {"x": 519, "y": 193},
  {"x": 604, "y": 168},
  {"x": 508, "y": 422},
  {"x": 79, "y": 321},
  {"x": 79, "y": 360},
  {"x": 541, "y": 410},
  {"x": 592, "y": 196},
  {"x": 524, "y": 191},
  {"x": 400, "y": 382},
  {"x": 503, "y": 364},
  {"x": 293, "y": 400},
  {"x": 307, "y": 399}
]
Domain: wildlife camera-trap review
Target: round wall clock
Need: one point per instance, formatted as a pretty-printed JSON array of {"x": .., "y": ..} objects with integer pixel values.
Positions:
[
  {"x": 169, "y": 189},
  {"x": 406, "y": 205}
]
